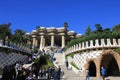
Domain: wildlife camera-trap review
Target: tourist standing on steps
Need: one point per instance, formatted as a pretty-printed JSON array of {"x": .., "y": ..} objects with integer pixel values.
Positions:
[
  {"x": 103, "y": 73},
  {"x": 67, "y": 64},
  {"x": 87, "y": 75},
  {"x": 59, "y": 72}
]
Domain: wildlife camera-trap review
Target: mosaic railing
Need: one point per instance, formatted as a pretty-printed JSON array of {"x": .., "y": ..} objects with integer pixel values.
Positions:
[
  {"x": 18, "y": 47},
  {"x": 96, "y": 44}
]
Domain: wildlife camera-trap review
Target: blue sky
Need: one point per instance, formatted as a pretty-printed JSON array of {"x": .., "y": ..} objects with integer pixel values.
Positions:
[{"x": 27, "y": 14}]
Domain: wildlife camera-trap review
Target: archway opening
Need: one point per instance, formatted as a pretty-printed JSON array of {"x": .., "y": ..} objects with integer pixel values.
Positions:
[
  {"x": 92, "y": 69},
  {"x": 110, "y": 65}
]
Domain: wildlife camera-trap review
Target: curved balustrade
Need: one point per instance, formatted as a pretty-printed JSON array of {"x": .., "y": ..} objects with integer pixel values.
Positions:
[
  {"x": 15, "y": 46},
  {"x": 110, "y": 43}
]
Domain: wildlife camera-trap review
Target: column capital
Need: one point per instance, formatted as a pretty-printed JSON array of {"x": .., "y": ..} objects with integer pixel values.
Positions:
[
  {"x": 51, "y": 34},
  {"x": 62, "y": 34},
  {"x": 33, "y": 36},
  {"x": 41, "y": 34}
]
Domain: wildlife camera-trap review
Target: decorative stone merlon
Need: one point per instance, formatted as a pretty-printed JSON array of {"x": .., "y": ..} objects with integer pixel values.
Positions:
[
  {"x": 108, "y": 42},
  {"x": 86, "y": 44},
  {"x": 119, "y": 42},
  {"x": 83, "y": 46},
  {"x": 91, "y": 43},
  {"x": 79, "y": 45},
  {"x": 96, "y": 43},
  {"x": 102, "y": 42},
  {"x": 114, "y": 42}
]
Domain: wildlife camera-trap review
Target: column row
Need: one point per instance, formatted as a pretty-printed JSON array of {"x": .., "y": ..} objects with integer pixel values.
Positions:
[{"x": 42, "y": 41}]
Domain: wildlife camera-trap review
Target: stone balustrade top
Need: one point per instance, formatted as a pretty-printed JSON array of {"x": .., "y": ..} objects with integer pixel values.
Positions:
[
  {"x": 15, "y": 46},
  {"x": 94, "y": 44}
]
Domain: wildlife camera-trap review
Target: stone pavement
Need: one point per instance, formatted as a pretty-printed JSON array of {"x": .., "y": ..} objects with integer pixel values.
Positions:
[{"x": 70, "y": 75}]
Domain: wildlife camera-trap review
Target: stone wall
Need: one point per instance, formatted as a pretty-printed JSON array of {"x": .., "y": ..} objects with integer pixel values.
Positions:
[
  {"x": 80, "y": 59},
  {"x": 99, "y": 57},
  {"x": 11, "y": 58}
]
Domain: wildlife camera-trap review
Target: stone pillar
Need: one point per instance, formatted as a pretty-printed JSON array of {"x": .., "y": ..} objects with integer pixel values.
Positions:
[
  {"x": 52, "y": 40},
  {"x": 63, "y": 41},
  {"x": 98, "y": 69},
  {"x": 33, "y": 43},
  {"x": 41, "y": 42},
  {"x": 36, "y": 41}
]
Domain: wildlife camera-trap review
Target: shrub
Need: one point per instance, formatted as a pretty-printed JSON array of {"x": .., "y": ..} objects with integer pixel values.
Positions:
[
  {"x": 74, "y": 65},
  {"x": 43, "y": 61},
  {"x": 118, "y": 50}
]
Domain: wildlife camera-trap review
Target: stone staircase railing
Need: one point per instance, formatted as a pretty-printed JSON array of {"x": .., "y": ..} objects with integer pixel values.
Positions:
[
  {"x": 114, "y": 43},
  {"x": 15, "y": 46}
]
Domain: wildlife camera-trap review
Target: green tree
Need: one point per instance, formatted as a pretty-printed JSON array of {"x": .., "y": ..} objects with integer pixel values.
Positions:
[
  {"x": 5, "y": 31},
  {"x": 88, "y": 30},
  {"x": 116, "y": 27},
  {"x": 65, "y": 24},
  {"x": 19, "y": 36},
  {"x": 37, "y": 27},
  {"x": 98, "y": 27},
  {"x": 116, "y": 31}
]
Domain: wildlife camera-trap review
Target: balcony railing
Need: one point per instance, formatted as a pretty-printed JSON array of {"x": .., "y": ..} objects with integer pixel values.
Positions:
[
  {"x": 15, "y": 46},
  {"x": 110, "y": 43}
]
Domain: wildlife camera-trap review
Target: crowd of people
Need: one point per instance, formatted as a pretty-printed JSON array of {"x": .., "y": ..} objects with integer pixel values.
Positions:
[
  {"x": 34, "y": 72},
  {"x": 17, "y": 72}
]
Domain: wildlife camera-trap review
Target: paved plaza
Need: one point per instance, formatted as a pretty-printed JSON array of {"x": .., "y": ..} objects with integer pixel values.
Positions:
[{"x": 70, "y": 75}]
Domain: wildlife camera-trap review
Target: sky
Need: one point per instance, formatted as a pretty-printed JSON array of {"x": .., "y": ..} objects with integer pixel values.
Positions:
[{"x": 27, "y": 14}]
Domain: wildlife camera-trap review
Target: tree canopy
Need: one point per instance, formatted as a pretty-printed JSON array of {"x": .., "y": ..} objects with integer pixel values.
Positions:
[
  {"x": 5, "y": 31},
  {"x": 19, "y": 36},
  {"x": 99, "y": 33}
]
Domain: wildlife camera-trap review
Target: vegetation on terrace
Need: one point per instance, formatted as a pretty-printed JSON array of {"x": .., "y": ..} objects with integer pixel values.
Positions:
[
  {"x": 99, "y": 33},
  {"x": 44, "y": 61},
  {"x": 17, "y": 37}
]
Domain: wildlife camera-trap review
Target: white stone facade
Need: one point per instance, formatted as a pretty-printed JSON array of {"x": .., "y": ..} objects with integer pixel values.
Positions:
[
  {"x": 84, "y": 52},
  {"x": 80, "y": 59}
]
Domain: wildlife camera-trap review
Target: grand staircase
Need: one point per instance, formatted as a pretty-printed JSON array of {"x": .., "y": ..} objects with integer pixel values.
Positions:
[{"x": 60, "y": 58}]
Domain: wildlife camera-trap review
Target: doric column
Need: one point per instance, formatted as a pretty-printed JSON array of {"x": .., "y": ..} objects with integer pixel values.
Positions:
[
  {"x": 52, "y": 40},
  {"x": 33, "y": 43},
  {"x": 36, "y": 42},
  {"x": 63, "y": 41},
  {"x": 41, "y": 41}
]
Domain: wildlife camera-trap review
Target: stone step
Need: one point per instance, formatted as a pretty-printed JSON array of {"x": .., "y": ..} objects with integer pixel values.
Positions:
[{"x": 60, "y": 59}]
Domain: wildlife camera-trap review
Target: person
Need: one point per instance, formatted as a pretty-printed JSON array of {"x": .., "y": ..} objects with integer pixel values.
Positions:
[
  {"x": 67, "y": 64},
  {"x": 31, "y": 76},
  {"x": 87, "y": 75},
  {"x": 59, "y": 72},
  {"x": 103, "y": 73},
  {"x": 5, "y": 74},
  {"x": 55, "y": 74},
  {"x": 49, "y": 73}
]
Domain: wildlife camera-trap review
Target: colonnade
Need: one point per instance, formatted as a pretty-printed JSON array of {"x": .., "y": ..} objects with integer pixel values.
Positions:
[{"x": 42, "y": 40}]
